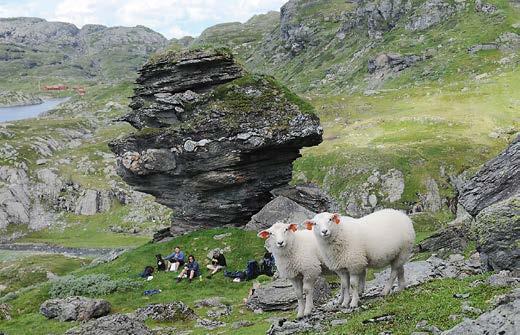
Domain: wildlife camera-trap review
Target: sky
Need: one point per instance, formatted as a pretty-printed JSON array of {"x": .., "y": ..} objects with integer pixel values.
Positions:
[{"x": 172, "y": 18}]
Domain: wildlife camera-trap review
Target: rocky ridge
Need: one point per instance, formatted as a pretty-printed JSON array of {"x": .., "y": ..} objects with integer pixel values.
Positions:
[
  {"x": 36, "y": 46},
  {"x": 215, "y": 140}
]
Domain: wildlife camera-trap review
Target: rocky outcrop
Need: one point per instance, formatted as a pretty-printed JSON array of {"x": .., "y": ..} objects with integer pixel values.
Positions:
[
  {"x": 495, "y": 181},
  {"x": 279, "y": 295},
  {"x": 171, "y": 312},
  {"x": 115, "y": 324},
  {"x": 454, "y": 238},
  {"x": 75, "y": 308},
  {"x": 309, "y": 196},
  {"x": 423, "y": 271},
  {"x": 279, "y": 209},
  {"x": 379, "y": 191},
  {"x": 294, "y": 32},
  {"x": 392, "y": 61},
  {"x": 497, "y": 230},
  {"x": 9, "y": 99},
  {"x": 215, "y": 140},
  {"x": 431, "y": 13},
  {"x": 94, "y": 50},
  {"x": 504, "y": 319},
  {"x": 376, "y": 17}
]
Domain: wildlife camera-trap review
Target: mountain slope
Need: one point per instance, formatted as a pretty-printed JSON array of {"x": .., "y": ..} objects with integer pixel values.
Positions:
[
  {"x": 37, "y": 48},
  {"x": 410, "y": 93}
]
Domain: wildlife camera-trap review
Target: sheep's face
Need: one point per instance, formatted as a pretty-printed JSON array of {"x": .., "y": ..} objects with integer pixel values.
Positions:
[
  {"x": 323, "y": 224},
  {"x": 280, "y": 234}
]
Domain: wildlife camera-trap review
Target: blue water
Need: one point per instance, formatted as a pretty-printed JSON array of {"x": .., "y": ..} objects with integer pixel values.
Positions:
[{"x": 25, "y": 112}]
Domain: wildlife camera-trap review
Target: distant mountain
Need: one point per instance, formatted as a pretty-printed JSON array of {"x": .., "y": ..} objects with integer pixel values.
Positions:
[{"x": 36, "y": 47}]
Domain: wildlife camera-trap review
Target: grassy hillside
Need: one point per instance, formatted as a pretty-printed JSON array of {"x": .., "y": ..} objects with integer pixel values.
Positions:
[
  {"x": 433, "y": 302},
  {"x": 446, "y": 113}
]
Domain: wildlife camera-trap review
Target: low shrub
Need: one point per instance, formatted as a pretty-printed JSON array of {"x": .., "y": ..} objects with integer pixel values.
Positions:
[{"x": 89, "y": 285}]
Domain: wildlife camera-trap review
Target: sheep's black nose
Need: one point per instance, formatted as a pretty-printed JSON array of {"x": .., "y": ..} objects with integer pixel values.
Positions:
[
  {"x": 280, "y": 243},
  {"x": 324, "y": 231}
]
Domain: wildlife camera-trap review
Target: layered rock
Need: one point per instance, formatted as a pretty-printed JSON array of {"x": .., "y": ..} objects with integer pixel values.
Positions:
[
  {"x": 504, "y": 319},
  {"x": 497, "y": 180},
  {"x": 497, "y": 229},
  {"x": 214, "y": 140},
  {"x": 119, "y": 324}
]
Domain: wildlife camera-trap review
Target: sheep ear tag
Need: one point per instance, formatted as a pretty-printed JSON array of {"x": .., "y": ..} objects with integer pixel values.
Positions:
[
  {"x": 293, "y": 227},
  {"x": 308, "y": 224},
  {"x": 336, "y": 218},
  {"x": 263, "y": 234}
]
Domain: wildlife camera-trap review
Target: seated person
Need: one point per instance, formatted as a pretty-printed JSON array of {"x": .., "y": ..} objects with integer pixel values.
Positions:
[
  {"x": 191, "y": 270},
  {"x": 217, "y": 263},
  {"x": 176, "y": 259}
]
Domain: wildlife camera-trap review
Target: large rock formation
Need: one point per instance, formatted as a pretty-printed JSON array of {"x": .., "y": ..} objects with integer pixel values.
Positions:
[
  {"x": 497, "y": 180},
  {"x": 214, "y": 140},
  {"x": 492, "y": 196}
]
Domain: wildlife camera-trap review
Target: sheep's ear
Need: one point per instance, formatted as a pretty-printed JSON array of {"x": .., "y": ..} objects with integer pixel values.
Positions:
[
  {"x": 308, "y": 224},
  {"x": 264, "y": 234},
  {"x": 293, "y": 227},
  {"x": 336, "y": 218}
]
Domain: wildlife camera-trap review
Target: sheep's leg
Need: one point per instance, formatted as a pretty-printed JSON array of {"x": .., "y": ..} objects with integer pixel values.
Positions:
[
  {"x": 298, "y": 289},
  {"x": 308, "y": 292},
  {"x": 400, "y": 278},
  {"x": 344, "y": 297},
  {"x": 354, "y": 281},
  {"x": 390, "y": 283},
  {"x": 362, "y": 279}
]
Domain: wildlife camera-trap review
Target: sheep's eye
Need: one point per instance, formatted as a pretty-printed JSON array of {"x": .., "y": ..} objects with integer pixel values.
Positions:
[{"x": 286, "y": 229}]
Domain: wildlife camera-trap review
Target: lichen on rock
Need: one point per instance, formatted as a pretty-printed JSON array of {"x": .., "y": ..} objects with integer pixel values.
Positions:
[{"x": 213, "y": 140}]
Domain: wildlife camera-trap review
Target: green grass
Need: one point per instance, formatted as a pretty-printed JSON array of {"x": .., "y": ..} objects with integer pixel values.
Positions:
[
  {"x": 19, "y": 270},
  {"x": 88, "y": 232},
  {"x": 433, "y": 301}
]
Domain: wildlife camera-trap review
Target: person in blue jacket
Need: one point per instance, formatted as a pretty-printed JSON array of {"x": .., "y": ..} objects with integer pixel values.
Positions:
[
  {"x": 191, "y": 270},
  {"x": 176, "y": 259}
]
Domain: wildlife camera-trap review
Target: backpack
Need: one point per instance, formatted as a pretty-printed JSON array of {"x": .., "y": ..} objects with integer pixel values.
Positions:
[
  {"x": 235, "y": 274},
  {"x": 252, "y": 270},
  {"x": 148, "y": 271}
]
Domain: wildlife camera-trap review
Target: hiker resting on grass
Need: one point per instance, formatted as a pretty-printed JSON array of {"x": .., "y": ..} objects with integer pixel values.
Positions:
[
  {"x": 191, "y": 270},
  {"x": 176, "y": 259},
  {"x": 217, "y": 263}
]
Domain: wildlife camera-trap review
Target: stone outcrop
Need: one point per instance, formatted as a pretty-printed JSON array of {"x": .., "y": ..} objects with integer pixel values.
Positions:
[
  {"x": 376, "y": 17},
  {"x": 279, "y": 209},
  {"x": 75, "y": 308},
  {"x": 431, "y": 13},
  {"x": 309, "y": 196},
  {"x": 453, "y": 238},
  {"x": 495, "y": 181},
  {"x": 393, "y": 62},
  {"x": 295, "y": 34},
  {"x": 279, "y": 295},
  {"x": 504, "y": 319},
  {"x": 173, "y": 311},
  {"x": 214, "y": 141},
  {"x": 115, "y": 324},
  {"x": 497, "y": 230}
]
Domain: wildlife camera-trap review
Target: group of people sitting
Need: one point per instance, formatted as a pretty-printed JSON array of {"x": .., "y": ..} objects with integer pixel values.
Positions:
[{"x": 191, "y": 268}]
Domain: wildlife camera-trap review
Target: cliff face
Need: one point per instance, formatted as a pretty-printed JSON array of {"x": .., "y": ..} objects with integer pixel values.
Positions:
[{"x": 214, "y": 139}]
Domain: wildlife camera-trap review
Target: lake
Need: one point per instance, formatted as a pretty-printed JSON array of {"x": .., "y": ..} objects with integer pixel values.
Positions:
[{"x": 25, "y": 112}]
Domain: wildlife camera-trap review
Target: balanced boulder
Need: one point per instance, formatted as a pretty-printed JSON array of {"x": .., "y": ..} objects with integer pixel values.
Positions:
[{"x": 213, "y": 140}]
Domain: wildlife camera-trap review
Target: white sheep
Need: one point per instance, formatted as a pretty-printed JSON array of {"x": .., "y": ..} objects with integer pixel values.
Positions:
[
  {"x": 297, "y": 258},
  {"x": 349, "y": 246}
]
